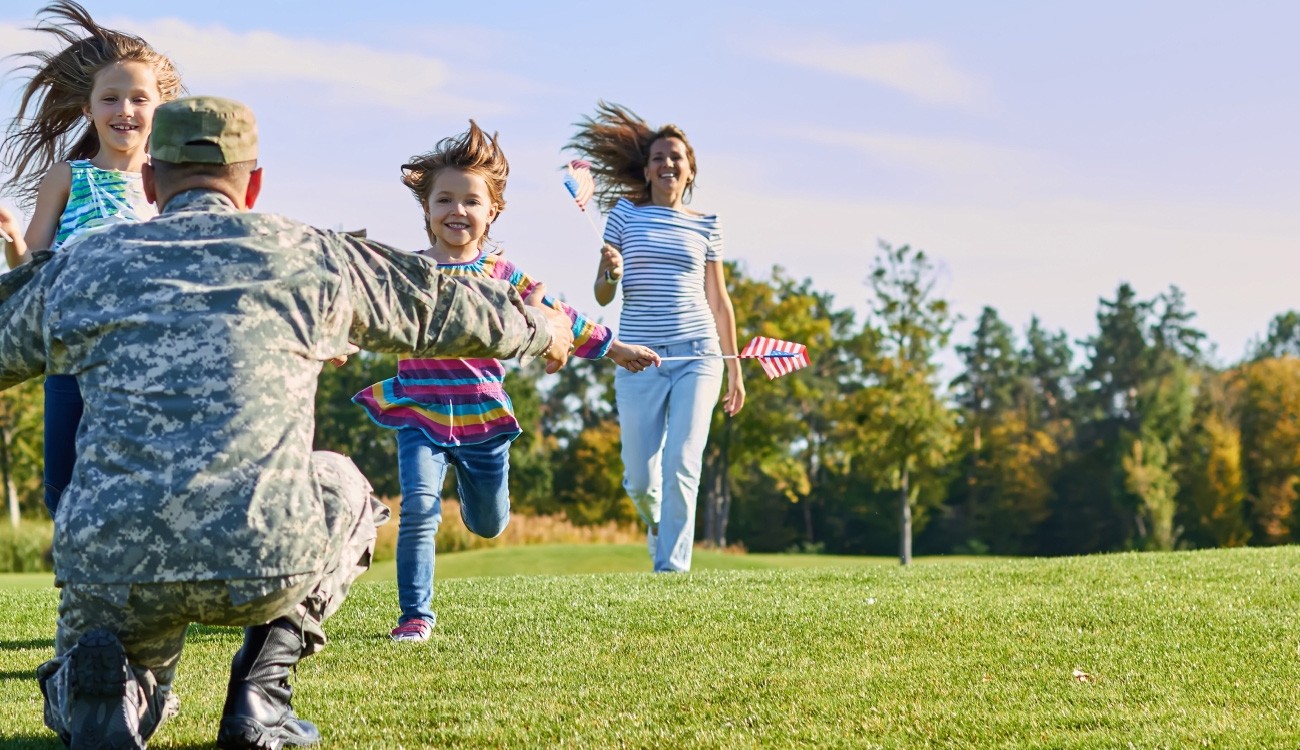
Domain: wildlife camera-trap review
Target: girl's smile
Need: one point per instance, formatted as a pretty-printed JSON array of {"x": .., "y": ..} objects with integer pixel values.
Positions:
[
  {"x": 458, "y": 214},
  {"x": 121, "y": 108}
]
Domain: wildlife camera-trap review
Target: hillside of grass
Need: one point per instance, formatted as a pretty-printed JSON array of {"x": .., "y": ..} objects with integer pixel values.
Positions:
[{"x": 1137, "y": 650}]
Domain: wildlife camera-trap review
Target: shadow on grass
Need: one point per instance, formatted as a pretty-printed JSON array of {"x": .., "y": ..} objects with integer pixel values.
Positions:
[
  {"x": 45, "y": 643},
  {"x": 20, "y": 741},
  {"x": 49, "y": 740},
  {"x": 29, "y": 674}
]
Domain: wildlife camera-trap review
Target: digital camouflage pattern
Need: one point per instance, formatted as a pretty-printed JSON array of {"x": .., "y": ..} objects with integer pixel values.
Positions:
[{"x": 197, "y": 338}]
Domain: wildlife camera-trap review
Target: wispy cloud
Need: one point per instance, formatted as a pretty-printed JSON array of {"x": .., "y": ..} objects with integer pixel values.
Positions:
[
  {"x": 920, "y": 70},
  {"x": 214, "y": 57},
  {"x": 949, "y": 156}
]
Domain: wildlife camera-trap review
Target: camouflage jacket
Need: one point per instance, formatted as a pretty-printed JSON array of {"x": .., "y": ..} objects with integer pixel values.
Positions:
[{"x": 197, "y": 338}]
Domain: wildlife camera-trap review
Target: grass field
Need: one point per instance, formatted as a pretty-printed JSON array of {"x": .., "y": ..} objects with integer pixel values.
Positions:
[{"x": 1138, "y": 650}]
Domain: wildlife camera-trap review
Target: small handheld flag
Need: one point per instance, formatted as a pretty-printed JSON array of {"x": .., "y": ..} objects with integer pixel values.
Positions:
[
  {"x": 581, "y": 185},
  {"x": 775, "y": 356}
]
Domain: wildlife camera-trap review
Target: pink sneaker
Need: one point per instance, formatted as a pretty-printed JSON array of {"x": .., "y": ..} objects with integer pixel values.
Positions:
[{"x": 415, "y": 631}]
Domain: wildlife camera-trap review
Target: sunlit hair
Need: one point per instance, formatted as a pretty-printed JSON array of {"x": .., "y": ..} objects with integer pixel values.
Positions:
[
  {"x": 473, "y": 151},
  {"x": 617, "y": 143},
  {"x": 49, "y": 126}
]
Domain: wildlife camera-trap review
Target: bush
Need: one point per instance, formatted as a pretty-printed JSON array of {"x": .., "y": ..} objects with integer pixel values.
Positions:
[
  {"x": 26, "y": 549},
  {"x": 522, "y": 529}
]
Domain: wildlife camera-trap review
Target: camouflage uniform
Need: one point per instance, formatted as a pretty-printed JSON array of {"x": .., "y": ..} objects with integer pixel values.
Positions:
[{"x": 197, "y": 339}]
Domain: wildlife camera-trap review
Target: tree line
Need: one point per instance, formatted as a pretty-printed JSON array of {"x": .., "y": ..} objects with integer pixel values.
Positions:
[{"x": 1130, "y": 438}]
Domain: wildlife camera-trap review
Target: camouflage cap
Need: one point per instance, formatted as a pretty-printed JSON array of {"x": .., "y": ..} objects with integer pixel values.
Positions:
[{"x": 203, "y": 130}]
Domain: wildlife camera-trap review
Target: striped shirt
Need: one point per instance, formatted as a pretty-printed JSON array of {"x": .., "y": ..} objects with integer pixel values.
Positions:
[
  {"x": 664, "y": 254},
  {"x": 100, "y": 197},
  {"x": 464, "y": 401}
]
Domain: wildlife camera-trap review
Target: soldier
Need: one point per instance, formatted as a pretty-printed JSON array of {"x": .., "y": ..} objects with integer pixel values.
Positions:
[{"x": 197, "y": 338}]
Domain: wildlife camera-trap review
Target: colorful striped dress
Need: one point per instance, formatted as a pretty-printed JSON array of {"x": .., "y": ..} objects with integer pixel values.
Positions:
[
  {"x": 98, "y": 198},
  {"x": 464, "y": 401}
]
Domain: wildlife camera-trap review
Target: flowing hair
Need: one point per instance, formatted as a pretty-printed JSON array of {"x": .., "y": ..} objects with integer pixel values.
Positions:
[
  {"x": 49, "y": 126},
  {"x": 473, "y": 151},
  {"x": 617, "y": 143}
]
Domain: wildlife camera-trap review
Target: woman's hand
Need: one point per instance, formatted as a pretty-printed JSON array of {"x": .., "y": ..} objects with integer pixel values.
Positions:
[
  {"x": 734, "y": 400},
  {"x": 632, "y": 357},
  {"x": 611, "y": 264}
]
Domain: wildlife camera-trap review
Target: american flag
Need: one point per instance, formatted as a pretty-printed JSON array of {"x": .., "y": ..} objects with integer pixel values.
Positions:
[
  {"x": 777, "y": 357},
  {"x": 579, "y": 182}
]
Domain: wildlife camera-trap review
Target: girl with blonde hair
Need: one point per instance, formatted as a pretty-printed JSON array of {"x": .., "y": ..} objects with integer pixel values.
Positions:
[{"x": 75, "y": 150}]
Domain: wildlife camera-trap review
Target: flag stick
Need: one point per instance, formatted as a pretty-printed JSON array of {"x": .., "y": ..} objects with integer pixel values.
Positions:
[
  {"x": 5, "y": 236},
  {"x": 770, "y": 355},
  {"x": 592, "y": 221}
]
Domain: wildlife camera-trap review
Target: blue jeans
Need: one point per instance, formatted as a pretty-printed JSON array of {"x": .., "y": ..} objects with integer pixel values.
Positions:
[
  {"x": 482, "y": 474},
  {"x": 63, "y": 407},
  {"x": 664, "y": 413}
]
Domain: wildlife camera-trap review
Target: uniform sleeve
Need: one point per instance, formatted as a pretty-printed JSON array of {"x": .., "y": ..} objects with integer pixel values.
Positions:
[
  {"x": 22, "y": 308},
  {"x": 401, "y": 303},
  {"x": 590, "y": 339}
]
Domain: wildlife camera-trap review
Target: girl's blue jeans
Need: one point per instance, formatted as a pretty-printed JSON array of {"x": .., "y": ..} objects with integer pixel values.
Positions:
[
  {"x": 63, "y": 408},
  {"x": 664, "y": 413},
  {"x": 482, "y": 481}
]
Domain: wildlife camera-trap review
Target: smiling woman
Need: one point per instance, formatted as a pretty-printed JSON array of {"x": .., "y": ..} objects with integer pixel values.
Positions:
[{"x": 668, "y": 260}]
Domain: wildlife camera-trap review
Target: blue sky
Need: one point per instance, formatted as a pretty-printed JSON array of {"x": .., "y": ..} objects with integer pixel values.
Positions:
[{"x": 1042, "y": 152}]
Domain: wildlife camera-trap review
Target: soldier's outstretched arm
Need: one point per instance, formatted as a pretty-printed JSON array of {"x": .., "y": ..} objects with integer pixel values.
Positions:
[
  {"x": 22, "y": 305},
  {"x": 401, "y": 303}
]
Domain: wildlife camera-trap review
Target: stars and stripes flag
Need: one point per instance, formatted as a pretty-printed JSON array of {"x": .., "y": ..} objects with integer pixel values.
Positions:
[
  {"x": 577, "y": 178},
  {"x": 775, "y": 356},
  {"x": 582, "y": 186}
]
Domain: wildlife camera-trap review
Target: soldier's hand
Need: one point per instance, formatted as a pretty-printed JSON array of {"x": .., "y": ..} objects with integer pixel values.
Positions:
[{"x": 561, "y": 330}]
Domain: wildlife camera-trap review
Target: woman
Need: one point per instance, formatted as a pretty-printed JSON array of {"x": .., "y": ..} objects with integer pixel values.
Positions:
[{"x": 668, "y": 260}]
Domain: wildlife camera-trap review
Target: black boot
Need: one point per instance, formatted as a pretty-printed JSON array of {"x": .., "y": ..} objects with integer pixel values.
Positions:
[{"x": 257, "y": 714}]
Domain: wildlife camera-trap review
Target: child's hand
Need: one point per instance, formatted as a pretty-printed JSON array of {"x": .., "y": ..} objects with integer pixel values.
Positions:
[
  {"x": 9, "y": 225},
  {"x": 631, "y": 357},
  {"x": 534, "y": 297},
  {"x": 611, "y": 264},
  {"x": 15, "y": 249}
]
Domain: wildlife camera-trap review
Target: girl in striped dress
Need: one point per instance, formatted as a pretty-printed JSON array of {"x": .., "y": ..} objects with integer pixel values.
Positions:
[
  {"x": 92, "y": 102},
  {"x": 667, "y": 259},
  {"x": 455, "y": 412}
]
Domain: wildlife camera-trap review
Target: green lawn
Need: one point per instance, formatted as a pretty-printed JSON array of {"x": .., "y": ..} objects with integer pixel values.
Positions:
[{"x": 1138, "y": 650}]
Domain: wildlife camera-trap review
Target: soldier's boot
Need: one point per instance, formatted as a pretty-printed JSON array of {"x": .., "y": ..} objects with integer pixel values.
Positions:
[
  {"x": 105, "y": 702},
  {"x": 257, "y": 714}
]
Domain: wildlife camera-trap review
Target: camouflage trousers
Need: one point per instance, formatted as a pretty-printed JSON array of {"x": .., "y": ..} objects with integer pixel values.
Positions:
[{"x": 151, "y": 619}]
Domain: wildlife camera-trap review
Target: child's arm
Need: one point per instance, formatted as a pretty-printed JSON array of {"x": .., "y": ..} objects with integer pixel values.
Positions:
[
  {"x": 632, "y": 357},
  {"x": 51, "y": 199}
]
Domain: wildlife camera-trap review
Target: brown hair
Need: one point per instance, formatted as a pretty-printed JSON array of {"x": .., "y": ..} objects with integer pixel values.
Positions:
[
  {"x": 617, "y": 143},
  {"x": 473, "y": 151},
  {"x": 60, "y": 88}
]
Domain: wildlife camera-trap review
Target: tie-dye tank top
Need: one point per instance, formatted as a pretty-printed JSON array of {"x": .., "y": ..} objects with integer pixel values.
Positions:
[{"x": 99, "y": 197}]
